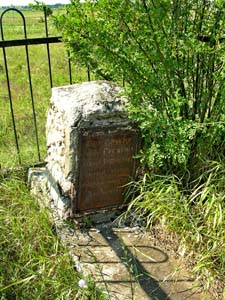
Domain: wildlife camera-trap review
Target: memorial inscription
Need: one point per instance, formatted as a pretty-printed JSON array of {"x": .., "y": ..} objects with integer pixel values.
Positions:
[{"x": 106, "y": 165}]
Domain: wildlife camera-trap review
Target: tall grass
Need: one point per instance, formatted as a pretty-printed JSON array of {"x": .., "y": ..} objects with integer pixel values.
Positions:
[
  {"x": 197, "y": 214},
  {"x": 33, "y": 263}
]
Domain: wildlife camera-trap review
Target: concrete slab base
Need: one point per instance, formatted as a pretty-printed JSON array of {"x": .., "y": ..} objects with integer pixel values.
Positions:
[{"x": 128, "y": 265}]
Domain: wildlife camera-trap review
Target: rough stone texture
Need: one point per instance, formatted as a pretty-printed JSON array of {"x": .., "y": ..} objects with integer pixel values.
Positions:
[
  {"x": 41, "y": 184},
  {"x": 97, "y": 104},
  {"x": 129, "y": 264},
  {"x": 89, "y": 104}
]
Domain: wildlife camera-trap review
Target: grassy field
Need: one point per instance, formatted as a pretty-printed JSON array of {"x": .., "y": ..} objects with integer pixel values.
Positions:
[{"x": 17, "y": 66}]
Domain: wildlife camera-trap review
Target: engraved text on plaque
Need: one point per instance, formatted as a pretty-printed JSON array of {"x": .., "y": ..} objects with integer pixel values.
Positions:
[{"x": 106, "y": 165}]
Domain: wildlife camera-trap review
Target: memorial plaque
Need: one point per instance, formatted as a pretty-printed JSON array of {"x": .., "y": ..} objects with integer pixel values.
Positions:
[{"x": 106, "y": 165}]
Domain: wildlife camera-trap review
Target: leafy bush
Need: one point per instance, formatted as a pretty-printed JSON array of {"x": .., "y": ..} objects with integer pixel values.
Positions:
[{"x": 171, "y": 54}]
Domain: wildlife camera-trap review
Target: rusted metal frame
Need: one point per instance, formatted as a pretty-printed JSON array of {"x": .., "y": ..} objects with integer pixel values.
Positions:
[
  {"x": 75, "y": 200},
  {"x": 30, "y": 84}
]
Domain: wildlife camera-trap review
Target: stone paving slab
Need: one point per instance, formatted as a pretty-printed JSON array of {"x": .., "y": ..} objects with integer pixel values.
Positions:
[{"x": 128, "y": 265}]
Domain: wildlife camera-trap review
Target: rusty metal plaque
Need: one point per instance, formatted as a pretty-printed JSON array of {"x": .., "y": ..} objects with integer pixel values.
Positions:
[{"x": 106, "y": 165}]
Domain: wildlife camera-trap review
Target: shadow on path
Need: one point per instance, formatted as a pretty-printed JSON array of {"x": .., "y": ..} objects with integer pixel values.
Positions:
[{"x": 143, "y": 277}]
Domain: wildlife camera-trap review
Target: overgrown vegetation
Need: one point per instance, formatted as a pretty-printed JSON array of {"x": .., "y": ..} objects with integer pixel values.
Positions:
[
  {"x": 171, "y": 55},
  {"x": 33, "y": 262}
]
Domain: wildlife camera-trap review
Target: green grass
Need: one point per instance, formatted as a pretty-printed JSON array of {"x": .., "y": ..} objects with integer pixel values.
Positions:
[
  {"x": 197, "y": 215},
  {"x": 16, "y": 58},
  {"x": 33, "y": 264}
]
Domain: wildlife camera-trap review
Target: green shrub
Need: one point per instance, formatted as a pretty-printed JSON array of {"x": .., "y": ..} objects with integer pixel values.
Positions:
[{"x": 171, "y": 54}]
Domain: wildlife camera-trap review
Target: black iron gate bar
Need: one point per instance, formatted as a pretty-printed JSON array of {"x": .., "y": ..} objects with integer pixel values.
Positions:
[
  {"x": 30, "y": 41},
  {"x": 26, "y": 42}
]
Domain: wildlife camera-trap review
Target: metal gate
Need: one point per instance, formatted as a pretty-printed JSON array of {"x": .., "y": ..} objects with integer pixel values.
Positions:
[{"x": 27, "y": 42}]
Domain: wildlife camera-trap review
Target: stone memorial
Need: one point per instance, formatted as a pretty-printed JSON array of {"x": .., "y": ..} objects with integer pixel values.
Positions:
[{"x": 91, "y": 145}]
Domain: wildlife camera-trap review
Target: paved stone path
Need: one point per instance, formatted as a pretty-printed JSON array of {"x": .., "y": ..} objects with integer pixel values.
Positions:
[{"x": 128, "y": 264}]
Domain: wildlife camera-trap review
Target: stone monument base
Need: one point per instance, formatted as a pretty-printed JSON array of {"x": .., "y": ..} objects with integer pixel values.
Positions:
[{"x": 48, "y": 195}]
